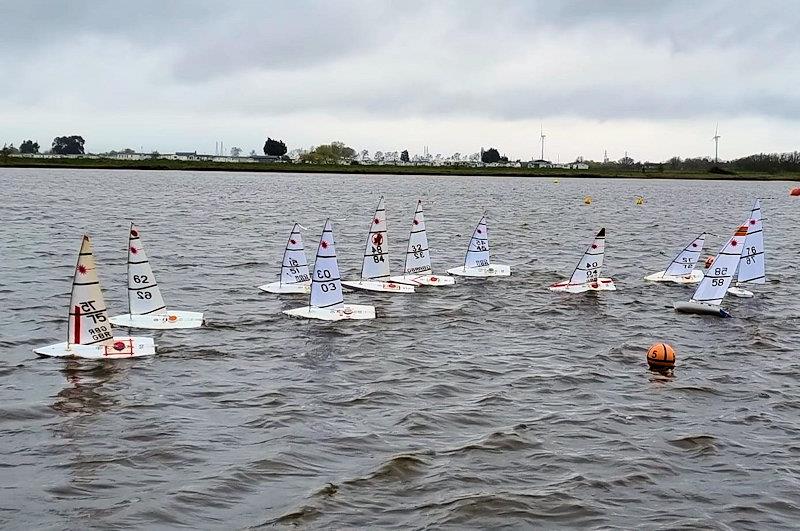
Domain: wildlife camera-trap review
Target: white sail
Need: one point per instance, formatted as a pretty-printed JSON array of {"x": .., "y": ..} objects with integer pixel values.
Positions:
[
  {"x": 144, "y": 297},
  {"x": 478, "y": 251},
  {"x": 712, "y": 288},
  {"x": 684, "y": 263},
  {"x": 294, "y": 267},
  {"x": 326, "y": 287},
  {"x": 751, "y": 263},
  {"x": 376, "y": 253},
  {"x": 588, "y": 269},
  {"x": 88, "y": 318},
  {"x": 418, "y": 259}
]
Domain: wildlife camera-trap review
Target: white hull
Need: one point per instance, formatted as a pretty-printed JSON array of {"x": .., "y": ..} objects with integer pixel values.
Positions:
[
  {"x": 740, "y": 292},
  {"x": 700, "y": 309},
  {"x": 693, "y": 278},
  {"x": 492, "y": 270},
  {"x": 348, "y": 311},
  {"x": 603, "y": 284},
  {"x": 284, "y": 288},
  {"x": 160, "y": 321},
  {"x": 378, "y": 285},
  {"x": 131, "y": 347},
  {"x": 424, "y": 280}
]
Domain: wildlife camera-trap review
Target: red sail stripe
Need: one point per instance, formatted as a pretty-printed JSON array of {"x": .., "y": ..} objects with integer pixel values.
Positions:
[{"x": 77, "y": 337}]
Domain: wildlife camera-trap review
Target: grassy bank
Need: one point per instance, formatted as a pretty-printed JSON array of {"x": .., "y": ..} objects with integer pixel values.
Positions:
[{"x": 163, "y": 164}]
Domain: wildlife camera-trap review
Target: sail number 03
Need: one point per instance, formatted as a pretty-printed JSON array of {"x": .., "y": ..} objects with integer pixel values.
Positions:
[{"x": 324, "y": 274}]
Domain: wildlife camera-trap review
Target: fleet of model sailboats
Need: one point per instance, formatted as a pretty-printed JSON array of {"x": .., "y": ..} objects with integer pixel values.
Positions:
[{"x": 89, "y": 328}]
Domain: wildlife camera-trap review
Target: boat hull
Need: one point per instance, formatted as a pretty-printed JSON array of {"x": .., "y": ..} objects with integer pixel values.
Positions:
[
  {"x": 700, "y": 309},
  {"x": 378, "y": 285},
  {"x": 741, "y": 292},
  {"x": 283, "y": 288},
  {"x": 492, "y": 270},
  {"x": 603, "y": 284},
  {"x": 160, "y": 321},
  {"x": 345, "y": 312},
  {"x": 693, "y": 278},
  {"x": 424, "y": 280},
  {"x": 132, "y": 347}
]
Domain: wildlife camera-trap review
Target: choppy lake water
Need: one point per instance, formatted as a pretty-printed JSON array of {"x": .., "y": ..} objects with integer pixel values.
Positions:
[{"x": 488, "y": 404}]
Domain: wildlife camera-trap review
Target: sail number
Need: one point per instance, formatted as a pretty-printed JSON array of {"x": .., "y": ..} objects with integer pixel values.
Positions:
[
  {"x": 140, "y": 279},
  {"x": 418, "y": 252},
  {"x": 98, "y": 316},
  {"x": 719, "y": 272},
  {"x": 377, "y": 255},
  {"x": 751, "y": 258},
  {"x": 591, "y": 272},
  {"x": 481, "y": 246},
  {"x": 327, "y": 286},
  {"x": 142, "y": 295}
]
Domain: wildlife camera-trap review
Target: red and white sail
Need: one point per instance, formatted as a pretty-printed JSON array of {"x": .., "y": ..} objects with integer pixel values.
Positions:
[
  {"x": 751, "y": 263},
  {"x": 88, "y": 318},
  {"x": 376, "y": 253},
  {"x": 144, "y": 297},
  {"x": 326, "y": 286}
]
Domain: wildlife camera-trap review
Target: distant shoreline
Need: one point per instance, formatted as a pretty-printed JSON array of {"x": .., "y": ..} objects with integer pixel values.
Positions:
[{"x": 560, "y": 173}]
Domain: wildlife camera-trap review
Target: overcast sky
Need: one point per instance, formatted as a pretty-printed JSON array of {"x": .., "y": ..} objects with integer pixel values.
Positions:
[{"x": 650, "y": 78}]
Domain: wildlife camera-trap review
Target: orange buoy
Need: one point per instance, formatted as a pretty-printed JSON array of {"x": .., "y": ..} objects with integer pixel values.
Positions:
[
  {"x": 587, "y": 200},
  {"x": 661, "y": 357},
  {"x": 795, "y": 192},
  {"x": 709, "y": 261}
]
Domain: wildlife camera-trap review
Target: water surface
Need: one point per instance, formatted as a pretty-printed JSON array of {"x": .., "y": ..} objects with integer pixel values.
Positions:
[{"x": 488, "y": 404}]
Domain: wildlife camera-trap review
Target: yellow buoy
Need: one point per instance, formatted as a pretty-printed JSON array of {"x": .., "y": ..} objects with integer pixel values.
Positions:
[
  {"x": 555, "y": 181},
  {"x": 587, "y": 200},
  {"x": 639, "y": 200},
  {"x": 661, "y": 357}
]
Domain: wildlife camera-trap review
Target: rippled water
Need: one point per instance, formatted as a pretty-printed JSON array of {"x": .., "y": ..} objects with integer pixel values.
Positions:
[{"x": 488, "y": 404}]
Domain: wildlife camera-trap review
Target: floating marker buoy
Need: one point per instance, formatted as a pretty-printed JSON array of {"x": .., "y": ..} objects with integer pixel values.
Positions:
[
  {"x": 661, "y": 357},
  {"x": 555, "y": 181},
  {"x": 587, "y": 200},
  {"x": 639, "y": 200},
  {"x": 795, "y": 192},
  {"x": 709, "y": 261}
]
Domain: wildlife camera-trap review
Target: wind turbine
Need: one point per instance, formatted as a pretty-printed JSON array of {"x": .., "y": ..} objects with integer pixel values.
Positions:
[
  {"x": 716, "y": 138},
  {"x": 542, "y": 137}
]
